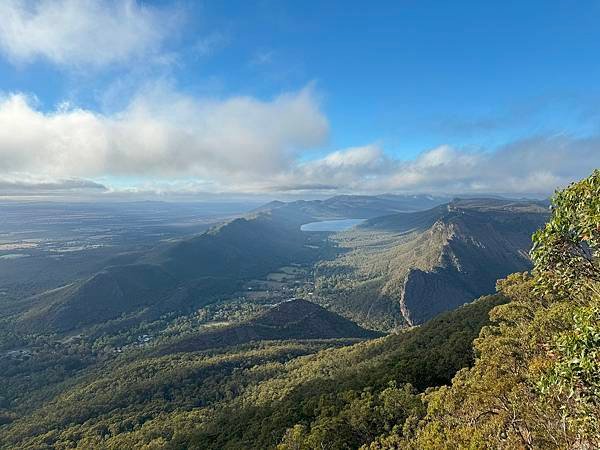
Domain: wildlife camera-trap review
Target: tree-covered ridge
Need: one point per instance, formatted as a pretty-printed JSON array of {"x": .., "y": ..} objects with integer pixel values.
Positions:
[
  {"x": 335, "y": 396},
  {"x": 174, "y": 277},
  {"x": 536, "y": 381},
  {"x": 293, "y": 319}
]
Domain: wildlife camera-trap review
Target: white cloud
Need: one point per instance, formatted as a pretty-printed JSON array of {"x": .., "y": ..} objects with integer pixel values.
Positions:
[
  {"x": 369, "y": 156},
  {"x": 345, "y": 169},
  {"x": 534, "y": 166},
  {"x": 25, "y": 184},
  {"x": 162, "y": 133},
  {"x": 81, "y": 32}
]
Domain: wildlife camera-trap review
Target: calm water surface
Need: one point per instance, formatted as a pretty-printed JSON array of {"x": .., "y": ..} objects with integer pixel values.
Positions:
[{"x": 331, "y": 225}]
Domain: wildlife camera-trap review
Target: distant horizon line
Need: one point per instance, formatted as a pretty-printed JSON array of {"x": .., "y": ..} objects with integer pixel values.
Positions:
[{"x": 249, "y": 198}]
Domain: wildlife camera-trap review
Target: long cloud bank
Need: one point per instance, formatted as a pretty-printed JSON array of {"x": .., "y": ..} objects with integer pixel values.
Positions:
[
  {"x": 243, "y": 144},
  {"x": 162, "y": 134},
  {"x": 537, "y": 165}
]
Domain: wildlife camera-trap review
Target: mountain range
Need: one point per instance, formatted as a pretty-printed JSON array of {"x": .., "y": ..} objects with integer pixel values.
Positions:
[
  {"x": 398, "y": 269},
  {"x": 233, "y": 337}
]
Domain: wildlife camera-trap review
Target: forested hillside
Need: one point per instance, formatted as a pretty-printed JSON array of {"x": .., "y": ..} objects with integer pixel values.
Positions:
[
  {"x": 293, "y": 319},
  {"x": 174, "y": 277},
  {"x": 536, "y": 381},
  {"x": 248, "y": 396}
]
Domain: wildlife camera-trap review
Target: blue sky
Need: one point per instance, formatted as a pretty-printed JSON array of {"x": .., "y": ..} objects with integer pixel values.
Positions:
[{"x": 299, "y": 97}]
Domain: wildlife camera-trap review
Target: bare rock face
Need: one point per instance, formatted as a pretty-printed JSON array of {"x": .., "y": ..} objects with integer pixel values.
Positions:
[{"x": 426, "y": 294}]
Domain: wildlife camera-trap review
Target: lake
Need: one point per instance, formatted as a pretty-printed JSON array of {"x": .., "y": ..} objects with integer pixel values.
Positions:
[{"x": 331, "y": 225}]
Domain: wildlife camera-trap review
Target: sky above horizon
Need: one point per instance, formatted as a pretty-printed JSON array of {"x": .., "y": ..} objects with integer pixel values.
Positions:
[{"x": 192, "y": 99}]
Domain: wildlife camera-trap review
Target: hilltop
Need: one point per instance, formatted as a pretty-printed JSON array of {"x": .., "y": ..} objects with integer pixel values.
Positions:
[{"x": 294, "y": 319}]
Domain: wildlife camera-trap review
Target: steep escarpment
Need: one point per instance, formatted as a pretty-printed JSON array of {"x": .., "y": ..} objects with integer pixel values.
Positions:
[
  {"x": 482, "y": 246},
  {"x": 405, "y": 268}
]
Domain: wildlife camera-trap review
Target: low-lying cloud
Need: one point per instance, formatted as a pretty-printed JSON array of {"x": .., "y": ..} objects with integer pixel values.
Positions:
[
  {"x": 162, "y": 134},
  {"x": 25, "y": 184},
  {"x": 537, "y": 165}
]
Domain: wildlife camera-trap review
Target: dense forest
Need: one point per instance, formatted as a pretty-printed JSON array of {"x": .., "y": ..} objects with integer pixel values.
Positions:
[{"x": 249, "y": 396}]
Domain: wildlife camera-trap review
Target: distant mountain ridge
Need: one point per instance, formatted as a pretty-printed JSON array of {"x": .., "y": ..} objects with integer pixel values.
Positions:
[
  {"x": 436, "y": 259},
  {"x": 409, "y": 221},
  {"x": 356, "y": 206}
]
